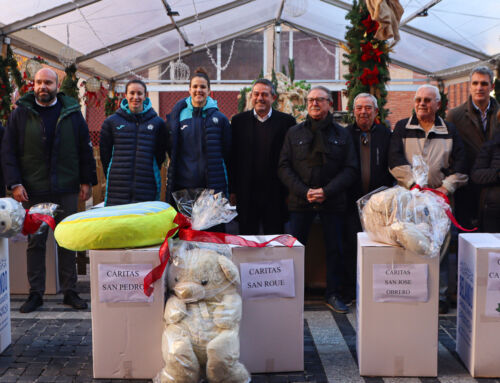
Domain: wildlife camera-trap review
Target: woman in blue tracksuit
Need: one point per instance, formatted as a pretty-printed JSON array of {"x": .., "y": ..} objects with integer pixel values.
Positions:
[
  {"x": 133, "y": 146},
  {"x": 200, "y": 141}
]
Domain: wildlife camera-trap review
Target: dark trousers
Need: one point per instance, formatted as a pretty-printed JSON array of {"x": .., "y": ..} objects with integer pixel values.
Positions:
[
  {"x": 260, "y": 216},
  {"x": 301, "y": 222},
  {"x": 352, "y": 227},
  {"x": 68, "y": 203}
]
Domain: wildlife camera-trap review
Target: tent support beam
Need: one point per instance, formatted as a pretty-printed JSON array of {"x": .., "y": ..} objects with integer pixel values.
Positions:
[
  {"x": 328, "y": 38},
  {"x": 46, "y": 15},
  {"x": 160, "y": 30},
  {"x": 195, "y": 49},
  {"x": 424, "y": 35}
]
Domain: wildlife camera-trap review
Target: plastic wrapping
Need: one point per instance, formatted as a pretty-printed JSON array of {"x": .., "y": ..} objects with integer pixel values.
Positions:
[
  {"x": 13, "y": 214},
  {"x": 204, "y": 207},
  {"x": 202, "y": 316},
  {"x": 413, "y": 219}
]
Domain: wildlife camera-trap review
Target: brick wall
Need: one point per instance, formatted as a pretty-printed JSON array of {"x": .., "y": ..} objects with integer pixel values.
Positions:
[{"x": 457, "y": 94}]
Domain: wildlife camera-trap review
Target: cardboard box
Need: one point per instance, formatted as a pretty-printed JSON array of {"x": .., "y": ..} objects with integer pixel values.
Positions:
[
  {"x": 272, "y": 328},
  {"x": 5, "y": 333},
  {"x": 478, "y": 323},
  {"x": 18, "y": 265},
  {"x": 395, "y": 338},
  {"x": 126, "y": 336}
]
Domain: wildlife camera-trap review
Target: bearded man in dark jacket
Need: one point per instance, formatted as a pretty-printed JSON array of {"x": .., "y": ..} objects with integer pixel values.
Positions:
[
  {"x": 318, "y": 164},
  {"x": 47, "y": 157}
]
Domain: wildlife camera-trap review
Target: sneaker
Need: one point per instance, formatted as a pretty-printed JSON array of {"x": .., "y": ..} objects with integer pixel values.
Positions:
[
  {"x": 444, "y": 307},
  {"x": 337, "y": 305},
  {"x": 34, "y": 301},
  {"x": 72, "y": 299}
]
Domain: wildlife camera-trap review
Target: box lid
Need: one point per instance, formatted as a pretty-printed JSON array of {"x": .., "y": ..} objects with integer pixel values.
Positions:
[{"x": 482, "y": 240}]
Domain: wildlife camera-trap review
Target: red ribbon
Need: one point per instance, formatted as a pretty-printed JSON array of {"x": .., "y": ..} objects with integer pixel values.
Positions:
[
  {"x": 188, "y": 234},
  {"x": 448, "y": 210},
  {"x": 32, "y": 222}
]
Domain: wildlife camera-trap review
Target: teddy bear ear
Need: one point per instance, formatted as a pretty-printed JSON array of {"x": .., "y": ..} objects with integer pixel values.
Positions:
[{"x": 229, "y": 269}]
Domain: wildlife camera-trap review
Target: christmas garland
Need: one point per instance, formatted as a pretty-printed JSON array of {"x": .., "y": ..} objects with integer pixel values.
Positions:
[
  {"x": 111, "y": 105},
  {"x": 69, "y": 85},
  {"x": 367, "y": 59},
  {"x": 8, "y": 66}
]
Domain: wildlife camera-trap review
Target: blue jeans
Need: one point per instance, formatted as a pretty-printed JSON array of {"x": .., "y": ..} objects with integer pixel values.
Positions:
[{"x": 300, "y": 223}]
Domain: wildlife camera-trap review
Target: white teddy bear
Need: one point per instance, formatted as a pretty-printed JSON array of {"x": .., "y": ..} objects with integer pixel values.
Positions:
[{"x": 200, "y": 338}]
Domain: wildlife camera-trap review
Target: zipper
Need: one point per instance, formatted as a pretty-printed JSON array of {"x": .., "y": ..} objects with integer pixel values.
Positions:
[{"x": 132, "y": 189}]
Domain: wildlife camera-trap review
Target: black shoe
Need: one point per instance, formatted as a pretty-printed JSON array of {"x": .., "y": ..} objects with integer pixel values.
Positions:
[
  {"x": 337, "y": 305},
  {"x": 444, "y": 307},
  {"x": 72, "y": 299},
  {"x": 34, "y": 301}
]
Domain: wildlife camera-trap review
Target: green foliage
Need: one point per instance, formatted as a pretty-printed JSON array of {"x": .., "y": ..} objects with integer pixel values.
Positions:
[
  {"x": 302, "y": 84},
  {"x": 243, "y": 99},
  {"x": 69, "y": 85},
  {"x": 283, "y": 69},
  {"x": 358, "y": 36},
  {"x": 8, "y": 66},
  {"x": 261, "y": 73},
  {"x": 274, "y": 80},
  {"x": 111, "y": 105},
  {"x": 444, "y": 101},
  {"x": 291, "y": 69}
]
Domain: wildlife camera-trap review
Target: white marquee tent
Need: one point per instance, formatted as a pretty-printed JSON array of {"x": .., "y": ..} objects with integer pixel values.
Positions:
[{"x": 116, "y": 38}]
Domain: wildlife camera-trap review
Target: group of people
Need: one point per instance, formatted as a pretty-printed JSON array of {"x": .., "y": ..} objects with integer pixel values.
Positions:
[{"x": 274, "y": 170}]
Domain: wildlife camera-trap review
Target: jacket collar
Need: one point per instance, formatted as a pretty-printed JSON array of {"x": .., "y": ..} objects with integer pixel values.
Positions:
[{"x": 438, "y": 128}]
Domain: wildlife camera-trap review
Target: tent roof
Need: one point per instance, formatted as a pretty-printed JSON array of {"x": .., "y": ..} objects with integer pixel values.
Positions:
[{"x": 117, "y": 38}]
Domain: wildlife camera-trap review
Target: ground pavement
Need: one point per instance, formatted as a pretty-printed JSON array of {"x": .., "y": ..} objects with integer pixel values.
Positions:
[{"x": 54, "y": 344}]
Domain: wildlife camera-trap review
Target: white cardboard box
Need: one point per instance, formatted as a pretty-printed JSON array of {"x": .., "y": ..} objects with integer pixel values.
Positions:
[
  {"x": 478, "y": 329},
  {"x": 272, "y": 329},
  {"x": 395, "y": 338},
  {"x": 5, "y": 333},
  {"x": 126, "y": 336},
  {"x": 18, "y": 265}
]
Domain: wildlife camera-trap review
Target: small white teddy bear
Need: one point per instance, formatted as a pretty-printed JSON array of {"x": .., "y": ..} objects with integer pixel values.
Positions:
[{"x": 201, "y": 334}]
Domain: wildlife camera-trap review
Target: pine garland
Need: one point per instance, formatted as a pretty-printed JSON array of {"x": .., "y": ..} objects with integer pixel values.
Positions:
[
  {"x": 69, "y": 85},
  {"x": 444, "y": 101},
  {"x": 367, "y": 59},
  {"x": 111, "y": 105},
  {"x": 8, "y": 66}
]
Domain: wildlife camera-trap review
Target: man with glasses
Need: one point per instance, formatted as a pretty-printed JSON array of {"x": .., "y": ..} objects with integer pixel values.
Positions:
[
  {"x": 371, "y": 141},
  {"x": 476, "y": 123},
  {"x": 318, "y": 164},
  {"x": 258, "y": 136},
  {"x": 438, "y": 142}
]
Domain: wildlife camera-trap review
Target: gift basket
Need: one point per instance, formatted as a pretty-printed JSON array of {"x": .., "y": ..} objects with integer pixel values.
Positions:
[
  {"x": 417, "y": 219},
  {"x": 14, "y": 219},
  {"x": 203, "y": 312}
]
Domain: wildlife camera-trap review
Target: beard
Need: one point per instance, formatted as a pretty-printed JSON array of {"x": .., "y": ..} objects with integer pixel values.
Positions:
[{"x": 46, "y": 97}]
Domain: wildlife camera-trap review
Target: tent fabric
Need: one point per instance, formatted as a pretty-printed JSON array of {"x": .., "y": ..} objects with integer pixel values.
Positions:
[{"x": 120, "y": 37}]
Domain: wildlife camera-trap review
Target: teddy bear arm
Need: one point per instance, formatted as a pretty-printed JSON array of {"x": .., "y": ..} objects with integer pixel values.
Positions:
[
  {"x": 175, "y": 310},
  {"x": 228, "y": 314}
]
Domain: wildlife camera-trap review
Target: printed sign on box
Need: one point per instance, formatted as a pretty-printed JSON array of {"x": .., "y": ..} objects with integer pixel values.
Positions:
[
  {"x": 493, "y": 288},
  {"x": 269, "y": 279},
  {"x": 123, "y": 283},
  {"x": 400, "y": 283}
]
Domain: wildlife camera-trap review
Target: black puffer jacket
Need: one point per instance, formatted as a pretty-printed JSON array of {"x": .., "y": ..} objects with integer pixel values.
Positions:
[
  {"x": 132, "y": 148},
  {"x": 486, "y": 172},
  {"x": 336, "y": 175}
]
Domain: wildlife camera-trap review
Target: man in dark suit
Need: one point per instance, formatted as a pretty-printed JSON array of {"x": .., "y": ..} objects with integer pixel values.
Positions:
[
  {"x": 476, "y": 123},
  {"x": 258, "y": 136}
]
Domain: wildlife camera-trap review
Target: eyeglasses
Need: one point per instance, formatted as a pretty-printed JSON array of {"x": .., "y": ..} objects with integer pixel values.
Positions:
[
  {"x": 319, "y": 100},
  {"x": 426, "y": 100}
]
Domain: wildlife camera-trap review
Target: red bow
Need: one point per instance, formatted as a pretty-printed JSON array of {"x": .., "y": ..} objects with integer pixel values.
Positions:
[
  {"x": 188, "y": 234},
  {"x": 32, "y": 222},
  {"x": 369, "y": 77},
  {"x": 448, "y": 209}
]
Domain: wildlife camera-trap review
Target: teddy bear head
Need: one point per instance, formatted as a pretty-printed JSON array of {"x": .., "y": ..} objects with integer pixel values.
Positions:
[
  {"x": 12, "y": 216},
  {"x": 199, "y": 273}
]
